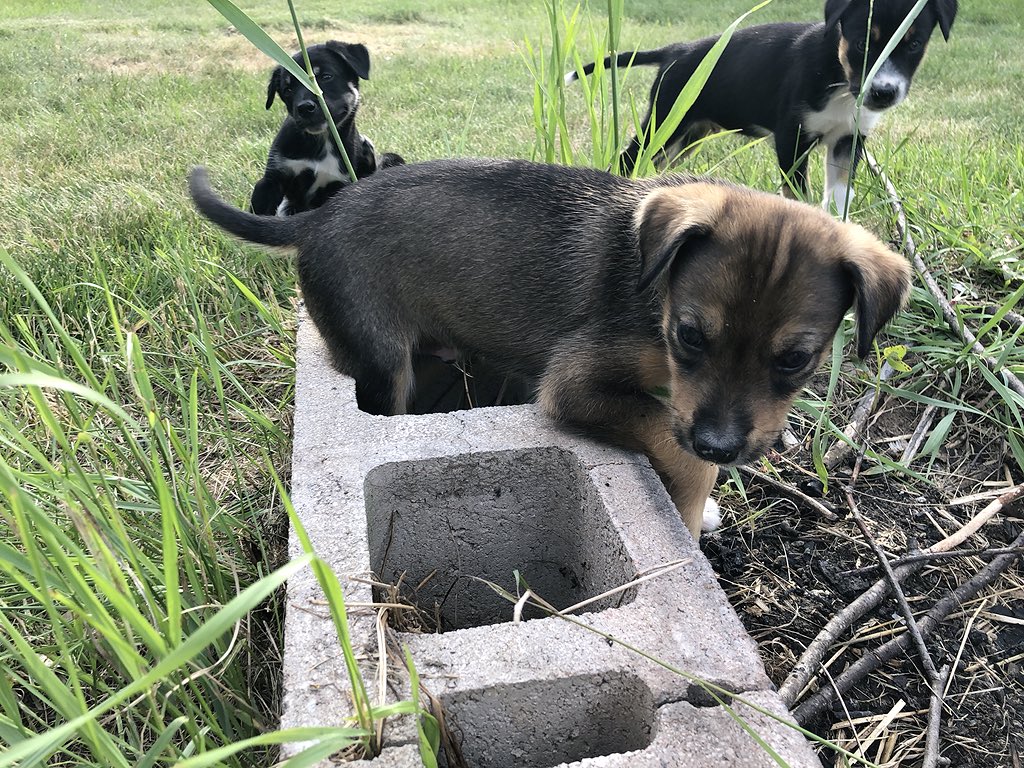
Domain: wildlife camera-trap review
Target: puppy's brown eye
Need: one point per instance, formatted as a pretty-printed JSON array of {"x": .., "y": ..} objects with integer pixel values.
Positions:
[
  {"x": 861, "y": 46},
  {"x": 915, "y": 45},
  {"x": 793, "y": 361},
  {"x": 690, "y": 337},
  {"x": 325, "y": 77}
]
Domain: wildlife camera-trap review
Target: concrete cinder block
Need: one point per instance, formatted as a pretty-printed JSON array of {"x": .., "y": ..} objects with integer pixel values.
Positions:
[{"x": 435, "y": 503}]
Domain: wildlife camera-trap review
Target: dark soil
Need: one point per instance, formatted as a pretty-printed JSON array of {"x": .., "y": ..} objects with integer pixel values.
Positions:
[{"x": 788, "y": 572}]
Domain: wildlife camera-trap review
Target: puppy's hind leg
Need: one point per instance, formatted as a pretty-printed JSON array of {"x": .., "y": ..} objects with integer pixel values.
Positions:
[
  {"x": 384, "y": 391},
  {"x": 384, "y": 376}
]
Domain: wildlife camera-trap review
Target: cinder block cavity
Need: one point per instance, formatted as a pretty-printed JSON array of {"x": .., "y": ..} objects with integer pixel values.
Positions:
[
  {"x": 544, "y": 723},
  {"x": 444, "y": 387},
  {"x": 438, "y": 526}
]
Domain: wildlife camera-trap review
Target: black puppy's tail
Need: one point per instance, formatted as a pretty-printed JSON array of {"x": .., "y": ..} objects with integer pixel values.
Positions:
[
  {"x": 265, "y": 230},
  {"x": 640, "y": 58}
]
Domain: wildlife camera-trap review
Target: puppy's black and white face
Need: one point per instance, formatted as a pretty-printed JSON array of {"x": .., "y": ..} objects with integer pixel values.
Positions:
[
  {"x": 866, "y": 27},
  {"x": 754, "y": 288},
  {"x": 338, "y": 68}
]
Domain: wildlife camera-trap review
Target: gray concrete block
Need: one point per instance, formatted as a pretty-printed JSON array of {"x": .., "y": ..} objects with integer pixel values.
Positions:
[{"x": 436, "y": 503}]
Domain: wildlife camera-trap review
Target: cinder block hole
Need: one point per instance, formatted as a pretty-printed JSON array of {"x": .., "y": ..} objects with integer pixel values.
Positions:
[
  {"x": 436, "y": 526},
  {"x": 442, "y": 387},
  {"x": 545, "y": 723}
]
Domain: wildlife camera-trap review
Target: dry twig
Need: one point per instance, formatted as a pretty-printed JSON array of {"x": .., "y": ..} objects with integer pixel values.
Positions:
[
  {"x": 1004, "y": 503},
  {"x": 824, "y": 509},
  {"x": 894, "y": 585},
  {"x": 918, "y": 436},
  {"x": 931, "y": 744},
  {"x": 807, "y": 666},
  {"x": 929, "y": 557},
  {"x": 1012, "y": 321},
  {"x": 842, "y": 448}
]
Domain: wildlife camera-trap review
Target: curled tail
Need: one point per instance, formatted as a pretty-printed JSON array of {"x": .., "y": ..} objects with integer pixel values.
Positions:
[
  {"x": 625, "y": 59},
  {"x": 265, "y": 230}
]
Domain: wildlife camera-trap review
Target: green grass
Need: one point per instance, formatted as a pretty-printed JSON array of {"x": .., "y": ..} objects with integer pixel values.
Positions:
[{"x": 160, "y": 468}]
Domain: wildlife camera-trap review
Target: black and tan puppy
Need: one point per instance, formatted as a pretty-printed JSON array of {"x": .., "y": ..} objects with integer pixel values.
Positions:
[
  {"x": 304, "y": 167},
  {"x": 672, "y": 315},
  {"x": 797, "y": 81}
]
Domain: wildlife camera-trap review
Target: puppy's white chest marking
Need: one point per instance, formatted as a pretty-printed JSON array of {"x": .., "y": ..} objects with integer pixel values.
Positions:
[
  {"x": 326, "y": 170},
  {"x": 839, "y": 118}
]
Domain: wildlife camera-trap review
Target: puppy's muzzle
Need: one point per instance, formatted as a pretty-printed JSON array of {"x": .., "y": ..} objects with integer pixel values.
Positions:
[
  {"x": 886, "y": 89},
  {"x": 308, "y": 115},
  {"x": 882, "y": 96},
  {"x": 307, "y": 110},
  {"x": 719, "y": 444}
]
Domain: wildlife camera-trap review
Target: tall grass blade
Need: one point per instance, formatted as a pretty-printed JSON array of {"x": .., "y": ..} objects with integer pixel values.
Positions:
[{"x": 44, "y": 744}]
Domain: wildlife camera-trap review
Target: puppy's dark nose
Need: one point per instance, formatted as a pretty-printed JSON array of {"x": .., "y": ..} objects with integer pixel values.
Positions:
[
  {"x": 883, "y": 94},
  {"x": 715, "y": 446},
  {"x": 306, "y": 108}
]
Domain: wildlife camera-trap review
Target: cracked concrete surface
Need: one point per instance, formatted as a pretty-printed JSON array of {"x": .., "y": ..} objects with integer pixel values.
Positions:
[{"x": 439, "y": 501}]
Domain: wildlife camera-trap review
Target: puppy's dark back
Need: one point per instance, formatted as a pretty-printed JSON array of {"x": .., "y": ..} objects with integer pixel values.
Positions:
[{"x": 481, "y": 236}]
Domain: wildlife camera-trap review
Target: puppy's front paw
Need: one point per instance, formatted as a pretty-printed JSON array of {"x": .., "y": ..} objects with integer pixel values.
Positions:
[{"x": 712, "y": 516}]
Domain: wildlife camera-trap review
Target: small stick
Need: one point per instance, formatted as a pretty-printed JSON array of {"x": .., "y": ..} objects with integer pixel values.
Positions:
[
  {"x": 931, "y": 744},
  {"x": 952, "y": 320},
  {"x": 929, "y": 557},
  {"x": 1003, "y": 503},
  {"x": 894, "y": 585},
  {"x": 807, "y": 666},
  {"x": 920, "y": 432},
  {"x": 824, "y": 509},
  {"x": 841, "y": 448},
  {"x": 1014, "y": 320}
]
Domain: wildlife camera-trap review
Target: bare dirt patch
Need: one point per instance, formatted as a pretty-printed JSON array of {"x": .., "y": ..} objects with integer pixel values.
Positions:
[{"x": 788, "y": 572}]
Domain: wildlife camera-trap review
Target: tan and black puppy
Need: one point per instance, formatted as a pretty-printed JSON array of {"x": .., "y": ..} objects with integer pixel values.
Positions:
[{"x": 675, "y": 316}]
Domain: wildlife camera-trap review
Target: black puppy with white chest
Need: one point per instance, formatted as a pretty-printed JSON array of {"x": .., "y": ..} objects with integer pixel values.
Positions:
[
  {"x": 798, "y": 81},
  {"x": 304, "y": 167}
]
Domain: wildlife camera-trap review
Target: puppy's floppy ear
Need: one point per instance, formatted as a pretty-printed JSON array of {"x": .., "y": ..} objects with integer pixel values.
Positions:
[
  {"x": 881, "y": 283},
  {"x": 272, "y": 86},
  {"x": 946, "y": 11},
  {"x": 669, "y": 218},
  {"x": 353, "y": 54},
  {"x": 834, "y": 10}
]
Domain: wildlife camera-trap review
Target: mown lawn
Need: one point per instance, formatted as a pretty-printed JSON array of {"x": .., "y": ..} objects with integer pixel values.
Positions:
[{"x": 161, "y": 470}]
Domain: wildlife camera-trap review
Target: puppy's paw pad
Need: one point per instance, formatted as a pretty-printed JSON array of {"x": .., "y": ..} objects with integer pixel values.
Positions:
[{"x": 712, "y": 516}]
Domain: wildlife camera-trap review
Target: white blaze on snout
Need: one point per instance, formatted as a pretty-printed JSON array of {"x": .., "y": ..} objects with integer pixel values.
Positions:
[{"x": 888, "y": 76}]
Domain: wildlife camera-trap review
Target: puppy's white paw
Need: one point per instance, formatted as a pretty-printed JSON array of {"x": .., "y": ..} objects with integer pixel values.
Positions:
[
  {"x": 712, "y": 516},
  {"x": 838, "y": 200}
]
